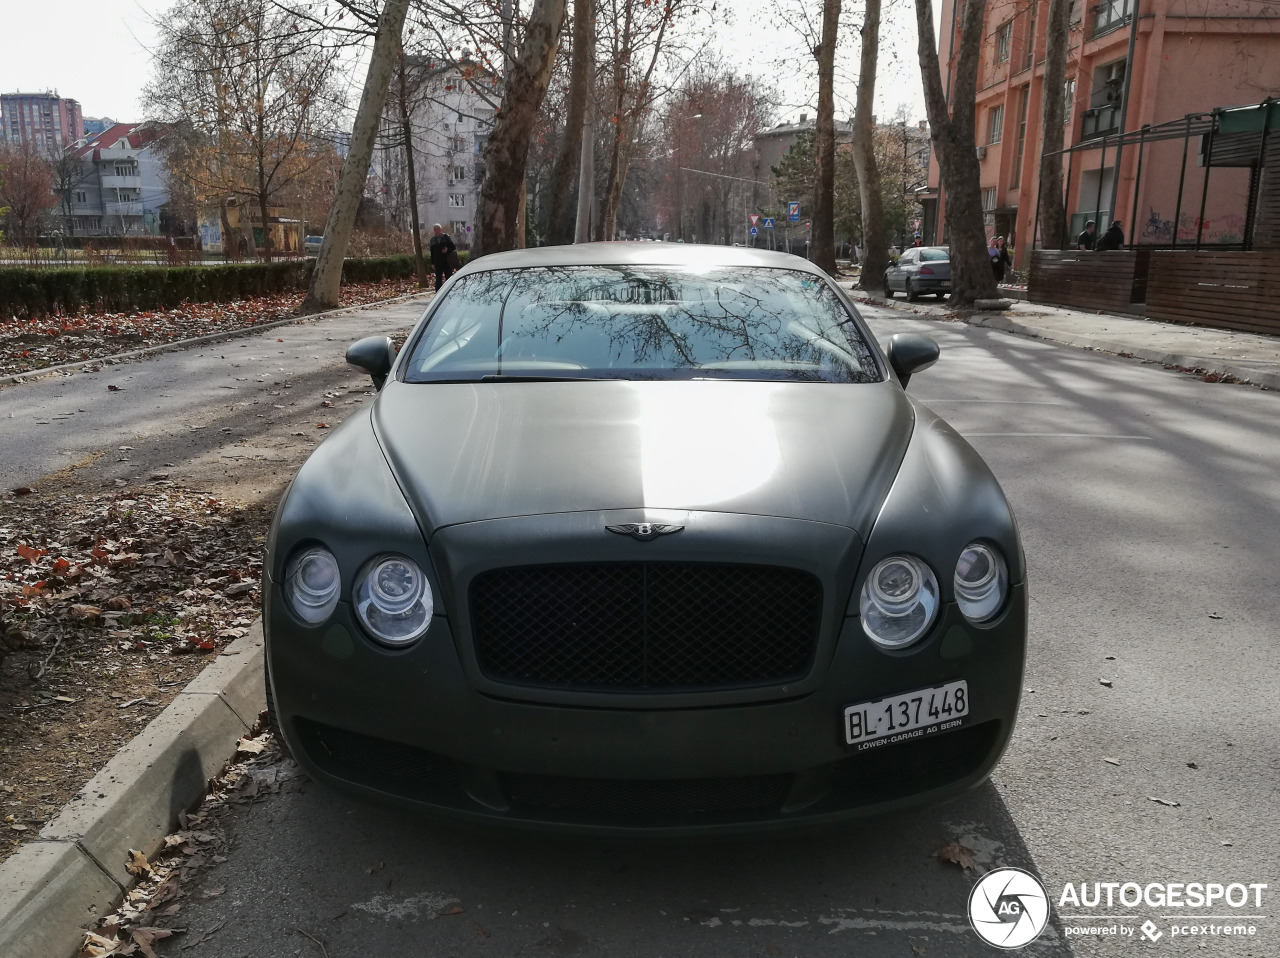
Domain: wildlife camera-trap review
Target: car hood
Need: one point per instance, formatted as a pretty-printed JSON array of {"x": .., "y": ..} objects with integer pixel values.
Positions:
[{"x": 814, "y": 451}]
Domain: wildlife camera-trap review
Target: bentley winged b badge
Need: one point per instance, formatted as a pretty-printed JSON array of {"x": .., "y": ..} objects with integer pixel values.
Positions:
[{"x": 644, "y": 531}]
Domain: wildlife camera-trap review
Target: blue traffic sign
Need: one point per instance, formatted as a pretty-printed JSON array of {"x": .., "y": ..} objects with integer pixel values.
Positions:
[
  {"x": 768, "y": 223},
  {"x": 754, "y": 231},
  {"x": 793, "y": 212}
]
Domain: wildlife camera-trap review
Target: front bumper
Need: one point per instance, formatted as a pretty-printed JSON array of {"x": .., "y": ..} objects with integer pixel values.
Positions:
[{"x": 411, "y": 727}]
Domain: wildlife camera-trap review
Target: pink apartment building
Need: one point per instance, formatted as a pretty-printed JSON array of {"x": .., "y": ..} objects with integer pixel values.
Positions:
[
  {"x": 51, "y": 122},
  {"x": 1188, "y": 57}
]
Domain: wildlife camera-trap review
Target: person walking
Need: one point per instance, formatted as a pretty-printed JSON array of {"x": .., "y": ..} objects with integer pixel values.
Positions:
[
  {"x": 1113, "y": 238},
  {"x": 440, "y": 247},
  {"x": 1088, "y": 237},
  {"x": 1000, "y": 260}
]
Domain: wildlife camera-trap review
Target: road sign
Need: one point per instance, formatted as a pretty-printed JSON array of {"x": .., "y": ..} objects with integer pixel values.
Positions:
[
  {"x": 754, "y": 231},
  {"x": 793, "y": 212},
  {"x": 768, "y": 223},
  {"x": 754, "y": 218}
]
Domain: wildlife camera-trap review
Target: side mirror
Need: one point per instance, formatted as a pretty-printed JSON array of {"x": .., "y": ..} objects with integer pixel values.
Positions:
[
  {"x": 373, "y": 354},
  {"x": 909, "y": 353}
]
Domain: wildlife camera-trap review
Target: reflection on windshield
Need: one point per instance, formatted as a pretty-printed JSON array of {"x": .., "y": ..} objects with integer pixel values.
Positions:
[{"x": 594, "y": 322}]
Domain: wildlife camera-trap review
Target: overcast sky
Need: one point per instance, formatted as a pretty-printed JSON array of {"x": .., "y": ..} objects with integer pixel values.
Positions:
[{"x": 99, "y": 53}]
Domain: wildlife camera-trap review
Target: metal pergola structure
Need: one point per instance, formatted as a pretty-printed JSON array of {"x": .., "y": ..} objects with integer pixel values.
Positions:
[{"x": 1229, "y": 137}]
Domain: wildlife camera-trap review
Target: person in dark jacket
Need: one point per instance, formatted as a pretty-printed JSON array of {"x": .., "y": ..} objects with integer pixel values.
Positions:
[
  {"x": 1113, "y": 238},
  {"x": 1088, "y": 237},
  {"x": 440, "y": 247}
]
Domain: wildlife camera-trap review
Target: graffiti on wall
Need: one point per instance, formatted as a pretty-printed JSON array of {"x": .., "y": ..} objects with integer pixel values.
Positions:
[{"x": 1219, "y": 229}]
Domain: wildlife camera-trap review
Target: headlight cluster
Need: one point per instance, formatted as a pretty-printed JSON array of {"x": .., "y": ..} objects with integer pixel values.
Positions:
[
  {"x": 900, "y": 597},
  {"x": 392, "y": 598}
]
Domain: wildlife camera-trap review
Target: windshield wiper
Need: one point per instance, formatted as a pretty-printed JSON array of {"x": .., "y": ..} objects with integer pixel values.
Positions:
[{"x": 503, "y": 377}]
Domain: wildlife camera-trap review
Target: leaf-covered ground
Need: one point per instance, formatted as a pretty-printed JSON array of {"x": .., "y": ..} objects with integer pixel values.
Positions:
[
  {"x": 110, "y": 603},
  {"x": 27, "y": 345}
]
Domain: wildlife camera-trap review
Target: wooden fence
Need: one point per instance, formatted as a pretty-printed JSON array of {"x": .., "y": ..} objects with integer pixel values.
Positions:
[
  {"x": 1114, "y": 281},
  {"x": 1227, "y": 290}
]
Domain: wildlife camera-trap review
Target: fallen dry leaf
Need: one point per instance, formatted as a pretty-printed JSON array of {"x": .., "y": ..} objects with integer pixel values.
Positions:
[
  {"x": 85, "y": 612},
  {"x": 146, "y": 937},
  {"x": 251, "y": 746},
  {"x": 956, "y": 854},
  {"x": 32, "y": 555},
  {"x": 137, "y": 863}
]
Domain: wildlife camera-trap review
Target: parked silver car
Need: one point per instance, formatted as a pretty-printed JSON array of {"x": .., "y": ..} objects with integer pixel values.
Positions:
[{"x": 920, "y": 269}]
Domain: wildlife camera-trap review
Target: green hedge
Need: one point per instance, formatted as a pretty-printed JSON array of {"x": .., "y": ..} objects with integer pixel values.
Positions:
[{"x": 28, "y": 293}]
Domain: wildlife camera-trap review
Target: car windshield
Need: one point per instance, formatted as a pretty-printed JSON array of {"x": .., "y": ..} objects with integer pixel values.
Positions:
[
  {"x": 934, "y": 255},
  {"x": 641, "y": 322}
]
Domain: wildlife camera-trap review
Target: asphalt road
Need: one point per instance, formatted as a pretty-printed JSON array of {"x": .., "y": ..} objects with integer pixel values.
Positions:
[{"x": 1148, "y": 503}]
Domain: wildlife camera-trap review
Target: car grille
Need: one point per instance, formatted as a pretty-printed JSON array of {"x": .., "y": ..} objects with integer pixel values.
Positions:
[{"x": 645, "y": 626}]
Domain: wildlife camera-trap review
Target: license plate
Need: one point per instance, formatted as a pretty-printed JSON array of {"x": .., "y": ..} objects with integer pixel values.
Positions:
[{"x": 929, "y": 710}]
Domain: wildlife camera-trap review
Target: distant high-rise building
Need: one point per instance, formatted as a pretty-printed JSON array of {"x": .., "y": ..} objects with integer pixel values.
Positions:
[
  {"x": 51, "y": 122},
  {"x": 94, "y": 125}
]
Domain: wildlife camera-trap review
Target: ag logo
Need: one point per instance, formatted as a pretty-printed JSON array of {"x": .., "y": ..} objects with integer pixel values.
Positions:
[{"x": 1008, "y": 908}]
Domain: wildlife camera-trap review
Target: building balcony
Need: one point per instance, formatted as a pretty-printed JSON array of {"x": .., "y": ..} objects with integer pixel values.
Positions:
[
  {"x": 1109, "y": 15},
  {"x": 133, "y": 208},
  {"x": 1100, "y": 121},
  {"x": 111, "y": 181}
]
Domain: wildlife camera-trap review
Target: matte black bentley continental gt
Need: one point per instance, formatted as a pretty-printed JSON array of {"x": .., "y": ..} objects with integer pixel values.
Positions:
[{"x": 645, "y": 537}]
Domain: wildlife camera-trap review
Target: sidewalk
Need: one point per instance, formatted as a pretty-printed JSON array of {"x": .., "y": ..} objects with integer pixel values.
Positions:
[{"x": 1216, "y": 353}]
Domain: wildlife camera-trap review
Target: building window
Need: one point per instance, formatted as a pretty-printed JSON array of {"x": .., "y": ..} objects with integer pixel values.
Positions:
[
  {"x": 1024, "y": 98},
  {"x": 126, "y": 169},
  {"x": 457, "y": 144},
  {"x": 1069, "y": 96},
  {"x": 1029, "y": 56},
  {"x": 995, "y": 124},
  {"x": 457, "y": 200},
  {"x": 1003, "y": 36},
  {"x": 1111, "y": 15},
  {"x": 82, "y": 196},
  {"x": 459, "y": 227},
  {"x": 989, "y": 198},
  {"x": 457, "y": 174}
]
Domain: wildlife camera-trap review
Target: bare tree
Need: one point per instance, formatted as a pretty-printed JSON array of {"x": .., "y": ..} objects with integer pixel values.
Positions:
[
  {"x": 326, "y": 279},
  {"x": 952, "y": 131},
  {"x": 823, "y": 250},
  {"x": 507, "y": 148},
  {"x": 1053, "y": 211},
  {"x": 26, "y": 187},
  {"x": 874, "y": 244},
  {"x": 248, "y": 90},
  {"x": 580, "y": 77}
]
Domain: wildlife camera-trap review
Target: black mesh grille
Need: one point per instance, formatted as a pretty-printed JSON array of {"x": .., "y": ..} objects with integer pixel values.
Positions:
[
  {"x": 615, "y": 796},
  {"x": 640, "y": 626}
]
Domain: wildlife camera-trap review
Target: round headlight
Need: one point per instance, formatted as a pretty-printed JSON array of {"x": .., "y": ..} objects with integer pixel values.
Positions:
[
  {"x": 982, "y": 582},
  {"x": 899, "y": 601},
  {"x": 312, "y": 583},
  {"x": 393, "y": 600}
]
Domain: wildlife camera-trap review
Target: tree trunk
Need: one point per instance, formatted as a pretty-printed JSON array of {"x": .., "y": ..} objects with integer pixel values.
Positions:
[
  {"x": 406, "y": 130},
  {"x": 875, "y": 244},
  {"x": 823, "y": 251},
  {"x": 1053, "y": 213},
  {"x": 559, "y": 221},
  {"x": 953, "y": 143},
  {"x": 507, "y": 151},
  {"x": 326, "y": 279}
]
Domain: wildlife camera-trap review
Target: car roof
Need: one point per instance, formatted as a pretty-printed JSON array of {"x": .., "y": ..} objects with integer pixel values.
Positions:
[{"x": 641, "y": 254}]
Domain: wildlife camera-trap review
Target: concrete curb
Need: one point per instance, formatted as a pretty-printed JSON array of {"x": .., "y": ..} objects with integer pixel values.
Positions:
[
  {"x": 35, "y": 374},
  {"x": 52, "y": 888}
]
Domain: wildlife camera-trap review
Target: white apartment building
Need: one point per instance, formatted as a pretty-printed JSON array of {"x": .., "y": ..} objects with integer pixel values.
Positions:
[
  {"x": 122, "y": 186},
  {"x": 451, "y": 114}
]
